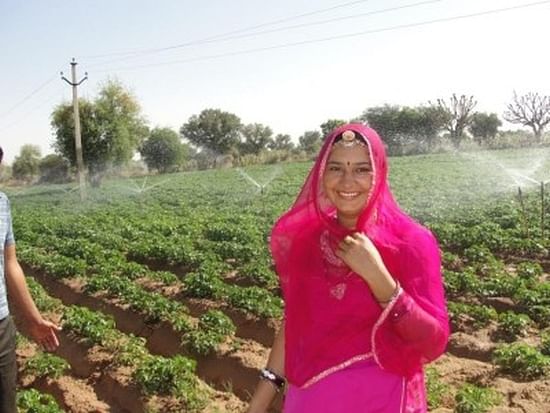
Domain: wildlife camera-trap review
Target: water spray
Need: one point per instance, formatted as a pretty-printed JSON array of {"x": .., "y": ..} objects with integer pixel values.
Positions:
[
  {"x": 523, "y": 212},
  {"x": 251, "y": 180},
  {"x": 520, "y": 178},
  {"x": 143, "y": 188},
  {"x": 542, "y": 185},
  {"x": 542, "y": 207},
  {"x": 261, "y": 187}
]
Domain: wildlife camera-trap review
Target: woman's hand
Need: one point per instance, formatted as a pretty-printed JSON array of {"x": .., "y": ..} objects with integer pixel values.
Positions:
[
  {"x": 361, "y": 256},
  {"x": 255, "y": 410}
]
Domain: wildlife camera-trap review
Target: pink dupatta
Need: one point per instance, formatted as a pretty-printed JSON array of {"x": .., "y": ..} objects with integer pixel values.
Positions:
[{"x": 331, "y": 317}]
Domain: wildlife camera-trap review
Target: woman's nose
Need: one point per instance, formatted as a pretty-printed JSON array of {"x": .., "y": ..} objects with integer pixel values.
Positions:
[{"x": 347, "y": 177}]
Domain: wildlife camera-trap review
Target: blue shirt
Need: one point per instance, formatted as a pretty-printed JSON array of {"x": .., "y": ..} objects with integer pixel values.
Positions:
[{"x": 6, "y": 239}]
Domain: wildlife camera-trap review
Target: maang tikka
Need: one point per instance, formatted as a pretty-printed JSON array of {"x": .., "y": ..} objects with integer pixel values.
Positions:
[{"x": 349, "y": 139}]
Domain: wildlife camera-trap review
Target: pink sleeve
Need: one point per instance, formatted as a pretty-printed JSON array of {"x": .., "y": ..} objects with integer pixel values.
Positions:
[{"x": 414, "y": 328}]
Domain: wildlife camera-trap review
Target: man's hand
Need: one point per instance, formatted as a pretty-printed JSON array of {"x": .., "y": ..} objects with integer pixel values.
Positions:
[{"x": 44, "y": 333}]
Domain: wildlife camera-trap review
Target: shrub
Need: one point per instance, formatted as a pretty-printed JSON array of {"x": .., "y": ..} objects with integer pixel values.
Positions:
[
  {"x": 512, "y": 325},
  {"x": 545, "y": 342},
  {"x": 213, "y": 329},
  {"x": 171, "y": 376},
  {"x": 46, "y": 365},
  {"x": 478, "y": 254},
  {"x": 481, "y": 315},
  {"x": 257, "y": 300},
  {"x": 32, "y": 401},
  {"x": 521, "y": 360},
  {"x": 436, "y": 389},
  {"x": 459, "y": 283},
  {"x": 500, "y": 285},
  {"x": 54, "y": 169},
  {"x": 474, "y": 399},
  {"x": 41, "y": 298},
  {"x": 260, "y": 273},
  {"x": 535, "y": 302},
  {"x": 202, "y": 284},
  {"x": 94, "y": 328},
  {"x": 529, "y": 270},
  {"x": 451, "y": 261}
]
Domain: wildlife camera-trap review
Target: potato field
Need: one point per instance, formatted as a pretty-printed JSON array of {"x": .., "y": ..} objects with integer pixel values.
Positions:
[{"x": 168, "y": 301}]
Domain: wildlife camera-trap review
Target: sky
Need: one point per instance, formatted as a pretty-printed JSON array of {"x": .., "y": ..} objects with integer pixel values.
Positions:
[{"x": 288, "y": 64}]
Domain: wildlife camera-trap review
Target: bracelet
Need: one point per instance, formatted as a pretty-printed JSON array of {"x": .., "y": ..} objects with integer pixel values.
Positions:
[
  {"x": 394, "y": 294},
  {"x": 273, "y": 378}
]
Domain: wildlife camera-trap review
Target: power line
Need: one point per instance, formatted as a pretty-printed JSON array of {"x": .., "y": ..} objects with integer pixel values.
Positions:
[
  {"x": 221, "y": 35},
  {"x": 254, "y": 34},
  {"x": 319, "y": 22},
  {"x": 344, "y": 36},
  {"x": 27, "y": 113},
  {"x": 34, "y": 92}
]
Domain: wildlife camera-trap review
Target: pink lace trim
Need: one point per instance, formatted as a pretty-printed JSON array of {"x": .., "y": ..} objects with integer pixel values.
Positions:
[
  {"x": 403, "y": 398},
  {"x": 379, "y": 322},
  {"x": 326, "y": 249},
  {"x": 336, "y": 368}
]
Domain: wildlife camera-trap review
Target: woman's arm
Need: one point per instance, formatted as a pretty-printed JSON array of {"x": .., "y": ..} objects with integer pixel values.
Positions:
[
  {"x": 414, "y": 319},
  {"x": 265, "y": 391},
  {"x": 418, "y": 327}
]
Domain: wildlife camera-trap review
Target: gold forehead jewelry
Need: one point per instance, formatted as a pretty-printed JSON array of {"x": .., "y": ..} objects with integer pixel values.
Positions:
[{"x": 349, "y": 139}]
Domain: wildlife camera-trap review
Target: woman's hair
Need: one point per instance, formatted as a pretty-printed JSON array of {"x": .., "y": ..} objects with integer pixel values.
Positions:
[{"x": 1, "y": 154}]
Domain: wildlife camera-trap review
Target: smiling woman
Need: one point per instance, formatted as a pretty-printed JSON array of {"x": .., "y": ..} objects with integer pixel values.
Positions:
[
  {"x": 348, "y": 178},
  {"x": 364, "y": 302}
]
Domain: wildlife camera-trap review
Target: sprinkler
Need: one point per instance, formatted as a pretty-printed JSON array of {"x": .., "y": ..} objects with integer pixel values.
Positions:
[
  {"x": 523, "y": 212},
  {"x": 542, "y": 185},
  {"x": 261, "y": 188},
  {"x": 542, "y": 207}
]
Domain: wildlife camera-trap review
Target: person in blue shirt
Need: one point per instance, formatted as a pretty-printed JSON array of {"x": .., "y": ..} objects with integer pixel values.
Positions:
[{"x": 14, "y": 287}]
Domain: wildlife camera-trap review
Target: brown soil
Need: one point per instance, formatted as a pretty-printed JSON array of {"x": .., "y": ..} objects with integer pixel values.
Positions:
[
  {"x": 234, "y": 367},
  {"x": 248, "y": 326},
  {"x": 93, "y": 385},
  {"x": 72, "y": 394},
  {"x": 517, "y": 397}
]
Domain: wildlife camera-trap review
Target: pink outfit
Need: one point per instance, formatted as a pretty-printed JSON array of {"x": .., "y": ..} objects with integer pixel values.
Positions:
[
  {"x": 336, "y": 334},
  {"x": 346, "y": 389}
]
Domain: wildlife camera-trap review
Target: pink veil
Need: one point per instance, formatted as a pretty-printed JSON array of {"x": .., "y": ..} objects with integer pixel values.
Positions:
[{"x": 324, "y": 331}]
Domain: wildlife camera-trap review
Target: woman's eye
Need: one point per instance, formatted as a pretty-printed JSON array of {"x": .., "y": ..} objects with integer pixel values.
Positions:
[
  {"x": 363, "y": 170},
  {"x": 334, "y": 168}
]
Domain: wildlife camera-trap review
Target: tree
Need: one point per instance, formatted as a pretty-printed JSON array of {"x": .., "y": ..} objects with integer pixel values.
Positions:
[
  {"x": 122, "y": 124},
  {"x": 457, "y": 116},
  {"x": 281, "y": 142},
  {"x": 257, "y": 137},
  {"x": 484, "y": 127},
  {"x": 330, "y": 125},
  {"x": 310, "y": 142},
  {"x": 531, "y": 110},
  {"x": 112, "y": 128},
  {"x": 405, "y": 129},
  {"x": 25, "y": 165},
  {"x": 54, "y": 169},
  {"x": 163, "y": 150},
  {"x": 95, "y": 150},
  {"x": 430, "y": 123},
  {"x": 213, "y": 129},
  {"x": 5, "y": 172}
]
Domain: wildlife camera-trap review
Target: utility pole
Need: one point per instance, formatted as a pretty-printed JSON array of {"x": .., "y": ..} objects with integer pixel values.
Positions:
[{"x": 77, "y": 137}]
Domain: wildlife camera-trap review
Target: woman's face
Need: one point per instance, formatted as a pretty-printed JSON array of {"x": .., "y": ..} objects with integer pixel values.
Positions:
[{"x": 347, "y": 181}]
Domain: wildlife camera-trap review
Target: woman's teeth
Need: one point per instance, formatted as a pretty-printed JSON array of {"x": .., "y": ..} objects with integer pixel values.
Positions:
[{"x": 348, "y": 195}]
